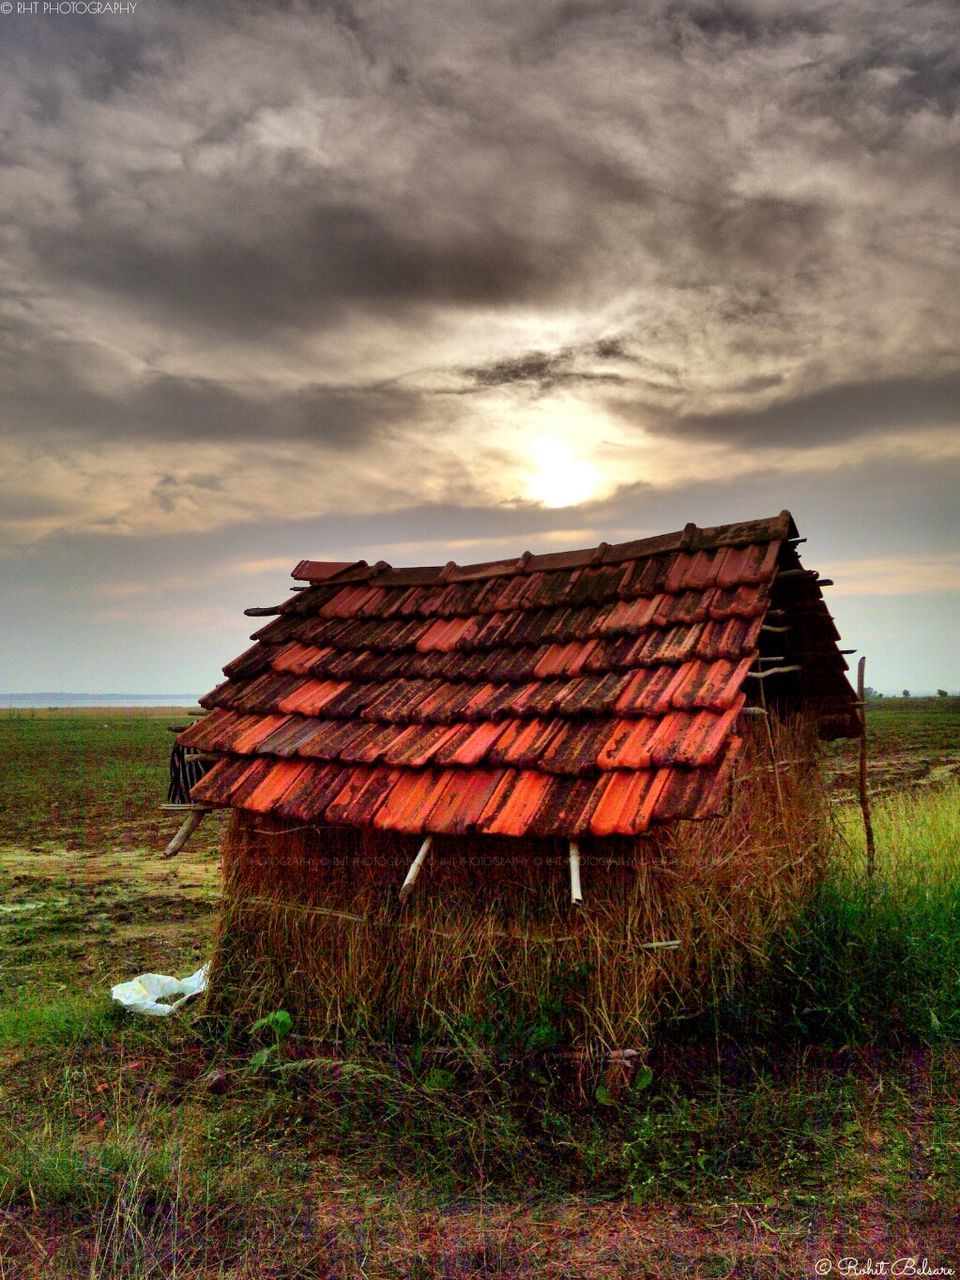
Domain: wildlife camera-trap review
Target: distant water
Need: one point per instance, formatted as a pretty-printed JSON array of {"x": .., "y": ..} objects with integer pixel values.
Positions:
[{"x": 40, "y": 700}]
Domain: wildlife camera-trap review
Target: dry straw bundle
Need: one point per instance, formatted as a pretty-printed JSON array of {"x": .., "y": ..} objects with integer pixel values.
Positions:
[{"x": 488, "y": 948}]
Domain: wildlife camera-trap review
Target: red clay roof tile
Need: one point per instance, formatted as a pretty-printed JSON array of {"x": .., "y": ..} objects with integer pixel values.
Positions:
[
  {"x": 456, "y": 808},
  {"x": 643, "y": 694},
  {"x": 270, "y": 791},
  {"x": 217, "y": 785},
  {"x": 566, "y": 807},
  {"x": 298, "y": 734},
  {"x": 311, "y": 696},
  {"x": 251, "y": 738},
  {"x": 408, "y": 802},
  {"x": 363, "y": 793},
  {"x": 535, "y": 737},
  {"x": 307, "y": 797},
  {"x": 255, "y": 771},
  {"x": 575, "y": 748},
  {"x": 448, "y": 633},
  {"x": 748, "y": 565},
  {"x": 618, "y": 810},
  {"x": 211, "y": 731},
  {"x": 470, "y": 744},
  {"x": 417, "y": 745},
  {"x": 716, "y": 794},
  {"x": 628, "y": 744},
  {"x": 322, "y": 570},
  {"x": 514, "y": 803}
]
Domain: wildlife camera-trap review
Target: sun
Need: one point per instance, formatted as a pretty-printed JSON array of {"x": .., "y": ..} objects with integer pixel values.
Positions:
[{"x": 561, "y": 475}]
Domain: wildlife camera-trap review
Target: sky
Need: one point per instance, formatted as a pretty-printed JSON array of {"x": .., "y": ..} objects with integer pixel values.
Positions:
[{"x": 420, "y": 281}]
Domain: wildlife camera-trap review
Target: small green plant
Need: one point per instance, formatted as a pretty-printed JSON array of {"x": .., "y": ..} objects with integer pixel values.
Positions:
[{"x": 280, "y": 1024}]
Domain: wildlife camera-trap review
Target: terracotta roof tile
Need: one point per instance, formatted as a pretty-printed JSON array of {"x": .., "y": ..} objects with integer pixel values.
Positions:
[
  {"x": 470, "y": 744},
  {"x": 299, "y": 735},
  {"x": 626, "y": 615},
  {"x": 417, "y": 745},
  {"x": 574, "y": 750},
  {"x": 350, "y": 602},
  {"x": 646, "y": 691},
  {"x": 694, "y": 739},
  {"x": 212, "y": 732},
  {"x": 447, "y": 634},
  {"x": 593, "y": 690},
  {"x": 627, "y": 745},
  {"x": 717, "y": 795},
  {"x": 408, "y": 802},
  {"x": 747, "y": 565},
  {"x": 269, "y": 792},
  {"x": 514, "y": 803},
  {"x": 714, "y": 684},
  {"x": 564, "y": 659},
  {"x": 311, "y": 696},
  {"x": 251, "y": 738},
  {"x": 457, "y": 806},
  {"x": 620, "y": 807},
  {"x": 368, "y": 744},
  {"x": 566, "y": 807},
  {"x": 531, "y": 743},
  {"x": 740, "y": 602},
  {"x": 322, "y": 570},
  {"x": 362, "y": 794},
  {"x": 219, "y": 783},
  {"x": 306, "y": 799},
  {"x": 298, "y": 658}
]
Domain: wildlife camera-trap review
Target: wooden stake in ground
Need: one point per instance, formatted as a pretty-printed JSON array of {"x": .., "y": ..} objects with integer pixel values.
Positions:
[
  {"x": 576, "y": 894},
  {"x": 194, "y": 818},
  {"x": 864, "y": 797},
  {"x": 414, "y": 871}
]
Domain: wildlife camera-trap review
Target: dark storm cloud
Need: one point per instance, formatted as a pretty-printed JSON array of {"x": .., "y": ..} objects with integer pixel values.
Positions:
[
  {"x": 836, "y": 413},
  {"x": 251, "y": 251},
  {"x": 105, "y": 59},
  {"x": 542, "y": 371},
  {"x": 299, "y": 271},
  {"x": 763, "y": 231},
  {"x": 50, "y": 391}
]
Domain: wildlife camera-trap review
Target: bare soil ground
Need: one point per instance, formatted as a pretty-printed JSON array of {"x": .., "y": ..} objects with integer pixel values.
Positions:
[{"x": 911, "y": 742}]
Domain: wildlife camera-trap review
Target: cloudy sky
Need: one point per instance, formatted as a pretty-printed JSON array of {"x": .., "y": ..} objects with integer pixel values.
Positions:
[{"x": 424, "y": 280}]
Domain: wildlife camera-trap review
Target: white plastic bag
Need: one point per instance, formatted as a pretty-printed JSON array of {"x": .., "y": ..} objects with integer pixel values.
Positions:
[{"x": 144, "y": 993}]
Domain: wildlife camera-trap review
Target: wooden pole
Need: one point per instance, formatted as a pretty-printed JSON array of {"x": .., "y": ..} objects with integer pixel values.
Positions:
[
  {"x": 414, "y": 871},
  {"x": 864, "y": 796},
  {"x": 576, "y": 894},
  {"x": 193, "y": 820},
  {"x": 773, "y": 757}
]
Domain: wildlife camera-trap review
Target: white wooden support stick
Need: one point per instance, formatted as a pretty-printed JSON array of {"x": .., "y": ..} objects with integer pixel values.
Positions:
[
  {"x": 194, "y": 818},
  {"x": 415, "y": 866},
  {"x": 576, "y": 895}
]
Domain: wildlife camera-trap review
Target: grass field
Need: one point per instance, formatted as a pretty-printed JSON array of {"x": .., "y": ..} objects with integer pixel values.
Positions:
[{"x": 816, "y": 1115}]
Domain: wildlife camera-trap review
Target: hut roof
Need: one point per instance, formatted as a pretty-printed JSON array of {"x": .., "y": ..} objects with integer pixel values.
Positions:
[{"x": 587, "y": 691}]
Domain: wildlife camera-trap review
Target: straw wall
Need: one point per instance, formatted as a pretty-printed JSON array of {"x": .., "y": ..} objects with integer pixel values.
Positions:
[{"x": 487, "y": 948}]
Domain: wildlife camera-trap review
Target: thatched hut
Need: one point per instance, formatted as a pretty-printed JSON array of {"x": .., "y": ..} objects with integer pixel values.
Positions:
[{"x": 523, "y": 735}]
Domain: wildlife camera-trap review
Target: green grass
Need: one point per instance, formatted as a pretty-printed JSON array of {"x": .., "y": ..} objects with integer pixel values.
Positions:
[
  {"x": 925, "y": 725},
  {"x": 39, "y": 1021},
  {"x": 78, "y": 780},
  {"x": 880, "y": 959}
]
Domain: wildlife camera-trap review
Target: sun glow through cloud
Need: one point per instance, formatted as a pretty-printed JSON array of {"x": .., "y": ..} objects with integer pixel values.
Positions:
[{"x": 562, "y": 476}]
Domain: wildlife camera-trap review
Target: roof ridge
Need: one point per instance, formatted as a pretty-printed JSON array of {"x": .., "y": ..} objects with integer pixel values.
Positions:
[{"x": 690, "y": 538}]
